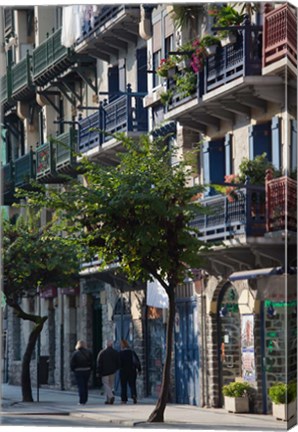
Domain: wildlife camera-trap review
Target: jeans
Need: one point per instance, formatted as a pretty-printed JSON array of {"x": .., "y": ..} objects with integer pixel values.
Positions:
[
  {"x": 130, "y": 379},
  {"x": 82, "y": 378}
]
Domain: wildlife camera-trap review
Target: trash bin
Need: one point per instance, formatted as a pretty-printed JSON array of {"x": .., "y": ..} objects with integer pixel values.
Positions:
[{"x": 43, "y": 373}]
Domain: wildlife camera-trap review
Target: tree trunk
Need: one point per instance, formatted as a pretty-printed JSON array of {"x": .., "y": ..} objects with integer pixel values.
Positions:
[
  {"x": 157, "y": 414},
  {"x": 26, "y": 377}
]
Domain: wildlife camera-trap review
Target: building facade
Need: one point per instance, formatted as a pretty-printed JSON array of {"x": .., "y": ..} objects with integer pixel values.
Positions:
[{"x": 240, "y": 102}]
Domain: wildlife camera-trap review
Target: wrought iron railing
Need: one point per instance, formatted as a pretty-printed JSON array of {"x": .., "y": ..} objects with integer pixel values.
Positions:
[
  {"x": 65, "y": 148},
  {"x": 280, "y": 35},
  {"x": 48, "y": 53},
  {"x": 124, "y": 114},
  {"x": 236, "y": 60},
  {"x": 24, "y": 169},
  {"x": 21, "y": 75},
  {"x": 281, "y": 195},
  {"x": 225, "y": 218}
]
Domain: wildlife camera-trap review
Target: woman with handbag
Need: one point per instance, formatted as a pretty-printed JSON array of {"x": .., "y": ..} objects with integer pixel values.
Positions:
[{"x": 129, "y": 365}]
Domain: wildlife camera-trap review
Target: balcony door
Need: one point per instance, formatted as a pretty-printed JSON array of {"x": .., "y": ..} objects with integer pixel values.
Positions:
[
  {"x": 214, "y": 164},
  {"x": 117, "y": 80}
]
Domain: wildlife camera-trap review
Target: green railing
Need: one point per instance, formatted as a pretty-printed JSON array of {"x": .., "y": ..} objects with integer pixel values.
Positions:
[
  {"x": 44, "y": 161},
  {"x": 48, "y": 53},
  {"x": 20, "y": 75},
  {"x": 8, "y": 178},
  {"x": 65, "y": 149},
  {"x": 24, "y": 169},
  {"x": 3, "y": 89}
]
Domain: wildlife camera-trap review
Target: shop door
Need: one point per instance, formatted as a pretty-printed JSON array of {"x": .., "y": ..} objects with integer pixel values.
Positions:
[{"x": 186, "y": 353}]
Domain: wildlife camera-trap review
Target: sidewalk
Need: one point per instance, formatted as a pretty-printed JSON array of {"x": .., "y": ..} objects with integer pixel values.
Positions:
[{"x": 65, "y": 402}]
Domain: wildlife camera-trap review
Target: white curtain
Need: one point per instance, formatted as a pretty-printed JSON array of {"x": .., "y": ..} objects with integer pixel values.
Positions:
[{"x": 71, "y": 24}]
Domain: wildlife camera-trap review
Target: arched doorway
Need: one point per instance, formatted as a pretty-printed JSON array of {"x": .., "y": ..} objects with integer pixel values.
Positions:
[{"x": 229, "y": 337}]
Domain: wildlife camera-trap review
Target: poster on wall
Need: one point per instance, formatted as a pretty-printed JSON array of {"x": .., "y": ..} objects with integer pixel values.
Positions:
[{"x": 247, "y": 348}]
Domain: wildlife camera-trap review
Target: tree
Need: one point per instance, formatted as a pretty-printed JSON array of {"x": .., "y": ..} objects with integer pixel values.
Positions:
[
  {"x": 33, "y": 257},
  {"x": 138, "y": 214}
]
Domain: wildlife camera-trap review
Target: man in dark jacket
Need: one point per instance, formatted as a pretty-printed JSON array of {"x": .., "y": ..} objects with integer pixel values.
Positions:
[
  {"x": 108, "y": 362},
  {"x": 129, "y": 365},
  {"x": 81, "y": 365}
]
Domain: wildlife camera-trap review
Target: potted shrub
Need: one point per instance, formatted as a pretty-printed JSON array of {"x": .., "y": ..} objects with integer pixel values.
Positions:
[
  {"x": 236, "y": 396},
  {"x": 227, "y": 16},
  {"x": 210, "y": 44},
  {"x": 283, "y": 397}
]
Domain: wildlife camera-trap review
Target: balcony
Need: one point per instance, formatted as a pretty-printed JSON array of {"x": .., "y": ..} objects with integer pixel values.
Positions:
[
  {"x": 113, "y": 29},
  {"x": 45, "y": 163},
  {"x": 125, "y": 114},
  {"x": 24, "y": 170},
  {"x": 230, "y": 84},
  {"x": 8, "y": 183},
  {"x": 50, "y": 59},
  {"x": 225, "y": 219},
  {"x": 65, "y": 157},
  {"x": 21, "y": 81},
  {"x": 281, "y": 194},
  {"x": 280, "y": 39}
]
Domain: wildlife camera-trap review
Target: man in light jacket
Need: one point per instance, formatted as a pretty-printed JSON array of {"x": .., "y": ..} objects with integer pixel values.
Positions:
[{"x": 108, "y": 362}]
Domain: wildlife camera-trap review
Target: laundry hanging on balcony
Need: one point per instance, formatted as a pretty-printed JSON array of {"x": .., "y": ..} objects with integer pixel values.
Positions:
[
  {"x": 74, "y": 21},
  {"x": 156, "y": 295}
]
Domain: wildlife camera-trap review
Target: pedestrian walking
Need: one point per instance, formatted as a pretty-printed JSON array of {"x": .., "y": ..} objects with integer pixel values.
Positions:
[
  {"x": 107, "y": 364},
  {"x": 129, "y": 365},
  {"x": 81, "y": 365}
]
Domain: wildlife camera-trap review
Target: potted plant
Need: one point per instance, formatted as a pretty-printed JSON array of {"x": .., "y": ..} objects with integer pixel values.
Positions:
[
  {"x": 167, "y": 67},
  {"x": 236, "y": 396},
  {"x": 226, "y": 16},
  {"x": 283, "y": 397},
  {"x": 210, "y": 44}
]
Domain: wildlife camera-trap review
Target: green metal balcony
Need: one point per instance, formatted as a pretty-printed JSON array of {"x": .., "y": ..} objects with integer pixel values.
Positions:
[
  {"x": 50, "y": 58},
  {"x": 8, "y": 183},
  {"x": 24, "y": 170},
  {"x": 45, "y": 163},
  {"x": 66, "y": 146},
  {"x": 21, "y": 81}
]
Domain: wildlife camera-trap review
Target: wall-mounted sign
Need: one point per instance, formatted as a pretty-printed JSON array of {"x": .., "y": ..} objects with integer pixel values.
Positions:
[{"x": 247, "y": 348}]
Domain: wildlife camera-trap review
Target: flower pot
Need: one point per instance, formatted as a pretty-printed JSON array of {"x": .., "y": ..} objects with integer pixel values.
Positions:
[
  {"x": 231, "y": 38},
  {"x": 237, "y": 404},
  {"x": 284, "y": 411},
  {"x": 211, "y": 50},
  {"x": 171, "y": 72}
]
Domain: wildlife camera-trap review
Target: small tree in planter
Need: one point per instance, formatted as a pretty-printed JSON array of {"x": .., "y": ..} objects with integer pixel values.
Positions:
[
  {"x": 226, "y": 16},
  {"x": 236, "y": 395},
  {"x": 283, "y": 397}
]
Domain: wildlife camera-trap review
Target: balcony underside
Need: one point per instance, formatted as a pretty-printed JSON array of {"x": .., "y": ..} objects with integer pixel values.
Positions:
[
  {"x": 114, "y": 34},
  {"x": 257, "y": 253},
  {"x": 236, "y": 98},
  {"x": 106, "y": 154}
]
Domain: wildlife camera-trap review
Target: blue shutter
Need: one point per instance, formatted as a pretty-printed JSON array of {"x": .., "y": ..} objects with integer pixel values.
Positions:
[
  {"x": 251, "y": 142},
  {"x": 228, "y": 154},
  {"x": 276, "y": 142},
  {"x": 260, "y": 140},
  {"x": 293, "y": 163},
  {"x": 206, "y": 166}
]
